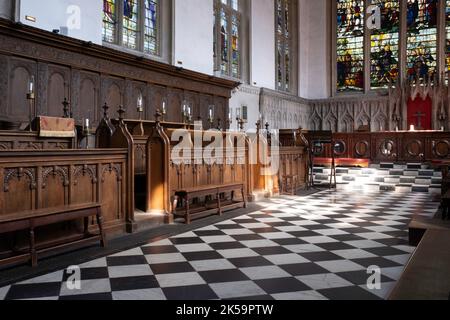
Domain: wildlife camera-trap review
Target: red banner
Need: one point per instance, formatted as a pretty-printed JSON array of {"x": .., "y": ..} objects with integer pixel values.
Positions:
[{"x": 419, "y": 113}]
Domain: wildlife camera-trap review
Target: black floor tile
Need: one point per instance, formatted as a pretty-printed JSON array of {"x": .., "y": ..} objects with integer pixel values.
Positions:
[
  {"x": 302, "y": 269},
  {"x": 159, "y": 250},
  {"x": 133, "y": 283},
  {"x": 125, "y": 261},
  {"x": 348, "y": 293},
  {"x": 273, "y": 286},
  {"x": 219, "y": 276},
  {"x": 203, "y": 255},
  {"x": 30, "y": 291},
  {"x": 176, "y": 267},
  {"x": 88, "y": 297},
  {"x": 250, "y": 262},
  {"x": 268, "y": 251},
  {"x": 200, "y": 292}
]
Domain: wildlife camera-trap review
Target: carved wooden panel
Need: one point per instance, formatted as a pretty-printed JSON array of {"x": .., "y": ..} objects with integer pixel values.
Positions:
[
  {"x": 59, "y": 79},
  {"x": 156, "y": 96},
  {"x": 55, "y": 182},
  {"x": 18, "y": 181},
  {"x": 175, "y": 100},
  {"x": 111, "y": 190},
  {"x": 112, "y": 94},
  {"x": 84, "y": 184},
  {"x": 20, "y": 73},
  {"x": 413, "y": 148},
  {"x": 89, "y": 104},
  {"x": 4, "y": 94},
  {"x": 440, "y": 148},
  {"x": 134, "y": 89}
]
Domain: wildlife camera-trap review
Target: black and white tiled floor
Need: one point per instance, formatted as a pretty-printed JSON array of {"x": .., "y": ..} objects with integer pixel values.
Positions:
[{"x": 315, "y": 247}]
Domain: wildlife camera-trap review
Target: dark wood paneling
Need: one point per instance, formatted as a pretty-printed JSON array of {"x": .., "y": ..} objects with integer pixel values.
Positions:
[
  {"x": 393, "y": 146},
  {"x": 90, "y": 75}
]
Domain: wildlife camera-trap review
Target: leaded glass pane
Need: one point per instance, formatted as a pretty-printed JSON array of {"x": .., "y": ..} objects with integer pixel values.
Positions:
[
  {"x": 350, "y": 45},
  {"x": 109, "y": 21},
  {"x": 224, "y": 40},
  {"x": 384, "y": 44},
  {"x": 130, "y": 24},
  {"x": 151, "y": 27},
  {"x": 447, "y": 25},
  {"x": 283, "y": 22},
  {"x": 421, "y": 50},
  {"x": 235, "y": 47},
  {"x": 227, "y": 37}
]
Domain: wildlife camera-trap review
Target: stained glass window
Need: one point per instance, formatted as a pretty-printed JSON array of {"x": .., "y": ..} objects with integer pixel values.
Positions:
[
  {"x": 384, "y": 44},
  {"x": 133, "y": 24},
  {"x": 447, "y": 28},
  {"x": 283, "y": 44},
  {"x": 421, "y": 50},
  {"x": 109, "y": 21},
  {"x": 350, "y": 45},
  {"x": 130, "y": 24},
  {"x": 227, "y": 37},
  {"x": 151, "y": 27}
]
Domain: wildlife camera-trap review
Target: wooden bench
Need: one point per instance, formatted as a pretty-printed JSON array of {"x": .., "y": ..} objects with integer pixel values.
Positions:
[
  {"x": 186, "y": 195},
  {"x": 289, "y": 180},
  {"x": 30, "y": 220},
  {"x": 426, "y": 276}
]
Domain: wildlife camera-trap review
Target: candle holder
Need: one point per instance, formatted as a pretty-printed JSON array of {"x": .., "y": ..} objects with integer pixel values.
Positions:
[
  {"x": 241, "y": 124},
  {"x": 163, "y": 112},
  {"x": 32, "y": 107},
  {"x": 219, "y": 124},
  {"x": 228, "y": 124},
  {"x": 66, "y": 109},
  {"x": 86, "y": 134}
]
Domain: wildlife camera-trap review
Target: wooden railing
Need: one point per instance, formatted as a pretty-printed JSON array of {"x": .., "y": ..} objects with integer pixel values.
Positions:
[{"x": 416, "y": 146}]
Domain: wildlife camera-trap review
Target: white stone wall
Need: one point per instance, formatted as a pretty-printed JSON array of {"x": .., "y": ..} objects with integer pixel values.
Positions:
[
  {"x": 54, "y": 14},
  {"x": 284, "y": 111},
  {"x": 192, "y": 48},
  {"x": 193, "y": 35},
  {"x": 6, "y": 9}
]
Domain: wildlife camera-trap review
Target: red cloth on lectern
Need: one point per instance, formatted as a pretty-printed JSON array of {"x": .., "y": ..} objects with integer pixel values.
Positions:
[{"x": 424, "y": 107}]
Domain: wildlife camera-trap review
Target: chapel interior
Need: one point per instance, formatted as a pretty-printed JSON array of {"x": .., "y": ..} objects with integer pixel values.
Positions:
[{"x": 225, "y": 149}]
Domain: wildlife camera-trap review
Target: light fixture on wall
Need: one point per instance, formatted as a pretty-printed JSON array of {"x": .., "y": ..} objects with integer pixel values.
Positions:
[{"x": 30, "y": 18}]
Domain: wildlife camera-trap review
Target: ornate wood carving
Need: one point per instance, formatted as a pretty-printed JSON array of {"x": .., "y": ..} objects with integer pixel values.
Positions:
[
  {"x": 19, "y": 173},
  {"x": 84, "y": 170},
  {"x": 55, "y": 171}
]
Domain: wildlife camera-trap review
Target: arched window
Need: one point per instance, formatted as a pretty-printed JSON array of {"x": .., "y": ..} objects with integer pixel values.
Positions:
[
  {"x": 381, "y": 41},
  {"x": 384, "y": 41},
  {"x": 228, "y": 37},
  {"x": 421, "y": 50},
  {"x": 284, "y": 35},
  {"x": 447, "y": 27},
  {"x": 133, "y": 24},
  {"x": 350, "y": 44}
]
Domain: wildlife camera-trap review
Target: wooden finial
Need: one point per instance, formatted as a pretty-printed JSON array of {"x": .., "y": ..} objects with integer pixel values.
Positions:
[
  {"x": 258, "y": 125},
  {"x": 105, "y": 111},
  {"x": 66, "y": 104},
  {"x": 158, "y": 116},
  {"x": 121, "y": 112}
]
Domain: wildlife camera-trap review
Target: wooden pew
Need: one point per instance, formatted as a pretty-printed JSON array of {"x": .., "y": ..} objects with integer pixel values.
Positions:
[
  {"x": 197, "y": 177},
  {"x": 293, "y": 161},
  {"x": 33, "y": 219},
  {"x": 48, "y": 180}
]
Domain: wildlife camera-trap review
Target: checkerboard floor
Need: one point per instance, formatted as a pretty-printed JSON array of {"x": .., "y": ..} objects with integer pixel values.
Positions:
[{"x": 314, "y": 247}]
